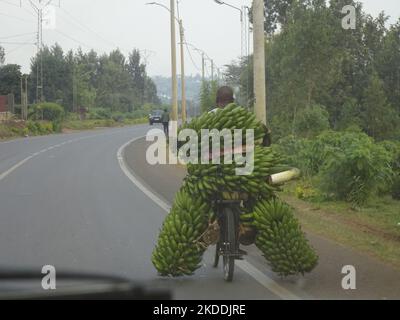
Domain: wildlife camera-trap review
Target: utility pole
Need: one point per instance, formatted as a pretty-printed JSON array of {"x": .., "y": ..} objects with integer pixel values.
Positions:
[
  {"x": 259, "y": 61},
  {"x": 212, "y": 70},
  {"x": 203, "y": 68},
  {"x": 173, "y": 64},
  {"x": 39, "y": 63},
  {"x": 24, "y": 97},
  {"x": 183, "y": 80}
]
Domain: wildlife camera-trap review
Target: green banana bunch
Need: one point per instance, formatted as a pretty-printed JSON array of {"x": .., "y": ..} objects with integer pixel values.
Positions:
[
  {"x": 210, "y": 180},
  {"x": 178, "y": 252},
  {"x": 231, "y": 117},
  {"x": 279, "y": 236},
  {"x": 281, "y": 239}
]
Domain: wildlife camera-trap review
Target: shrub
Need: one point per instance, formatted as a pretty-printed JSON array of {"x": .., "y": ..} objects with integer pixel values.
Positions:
[
  {"x": 394, "y": 150},
  {"x": 312, "y": 121},
  {"x": 355, "y": 169},
  {"x": 47, "y": 111},
  {"x": 396, "y": 188}
]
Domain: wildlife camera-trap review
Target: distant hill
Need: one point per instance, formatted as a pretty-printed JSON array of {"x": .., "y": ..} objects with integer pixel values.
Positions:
[{"x": 193, "y": 85}]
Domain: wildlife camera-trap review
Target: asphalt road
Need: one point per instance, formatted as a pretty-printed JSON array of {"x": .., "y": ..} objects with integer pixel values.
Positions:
[{"x": 65, "y": 201}]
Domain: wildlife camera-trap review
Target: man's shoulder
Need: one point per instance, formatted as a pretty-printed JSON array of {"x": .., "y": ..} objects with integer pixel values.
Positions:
[{"x": 215, "y": 110}]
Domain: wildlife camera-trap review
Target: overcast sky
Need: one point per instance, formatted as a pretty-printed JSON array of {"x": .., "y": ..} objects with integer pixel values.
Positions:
[{"x": 104, "y": 25}]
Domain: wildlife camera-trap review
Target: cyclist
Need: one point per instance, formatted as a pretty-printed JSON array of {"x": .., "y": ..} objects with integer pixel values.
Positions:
[{"x": 225, "y": 96}]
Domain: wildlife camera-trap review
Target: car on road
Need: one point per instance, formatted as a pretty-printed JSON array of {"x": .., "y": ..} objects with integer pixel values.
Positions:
[{"x": 155, "y": 117}]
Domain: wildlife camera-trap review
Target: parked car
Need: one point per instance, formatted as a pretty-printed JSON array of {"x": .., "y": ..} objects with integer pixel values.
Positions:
[{"x": 155, "y": 117}]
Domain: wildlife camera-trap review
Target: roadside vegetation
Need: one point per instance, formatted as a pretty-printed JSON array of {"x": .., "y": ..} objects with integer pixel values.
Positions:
[
  {"x": 49, "y": 118},
  {"x": 82, "y": 91},
  {"x": 333, "y": 102}
]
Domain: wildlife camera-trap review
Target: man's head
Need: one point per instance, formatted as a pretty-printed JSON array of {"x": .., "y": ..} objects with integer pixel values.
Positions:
[{"x": 224, "y": 96}]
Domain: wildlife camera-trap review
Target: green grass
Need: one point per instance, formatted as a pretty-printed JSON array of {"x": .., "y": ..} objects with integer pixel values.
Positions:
[
  {"x": 93, "y": 124},
  {"x": 12, "y": 130},
  {"x": 373, "y": 229}
]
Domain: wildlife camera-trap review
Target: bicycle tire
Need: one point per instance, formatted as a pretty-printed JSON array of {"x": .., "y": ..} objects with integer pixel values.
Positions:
[{"x": 230, "y": 239}]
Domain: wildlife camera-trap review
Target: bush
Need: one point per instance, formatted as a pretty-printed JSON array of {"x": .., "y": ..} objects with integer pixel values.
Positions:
[
  {"x": 348, "y": 165},
  {"x": 47, "y": 111},
  {"x": 355, "y": 169},
  {"x": 99, "y": 114},
  {"x": 396, "y": 188},
  {"x": 394, "y": 150},
  {"x": 312, "y": 121}
]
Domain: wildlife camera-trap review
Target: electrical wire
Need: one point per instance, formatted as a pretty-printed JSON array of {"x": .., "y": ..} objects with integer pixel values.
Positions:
[
  {"x": 17, "y": 18},
  {"x": 86, "y": 28},
  {"x": 16, "y": 48},
  {"x": 17, "y": 35},
  {"x": 73, "y": 39}
]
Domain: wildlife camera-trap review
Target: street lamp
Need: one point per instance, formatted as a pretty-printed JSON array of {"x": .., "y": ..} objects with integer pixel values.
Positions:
[
  {"x": 183, "y": 82},
  {"x": 241, "y": 10}
]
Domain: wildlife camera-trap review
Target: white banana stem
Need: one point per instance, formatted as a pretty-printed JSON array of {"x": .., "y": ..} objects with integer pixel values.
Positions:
[{"x": 283, "y": 177}]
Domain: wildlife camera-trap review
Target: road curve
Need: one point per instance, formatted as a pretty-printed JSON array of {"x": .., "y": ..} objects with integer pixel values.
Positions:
[{"x": 64, "y": 201}]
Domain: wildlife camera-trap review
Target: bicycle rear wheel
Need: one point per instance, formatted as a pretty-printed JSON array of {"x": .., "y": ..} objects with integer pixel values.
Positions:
[{"x": 229, "y": 244}]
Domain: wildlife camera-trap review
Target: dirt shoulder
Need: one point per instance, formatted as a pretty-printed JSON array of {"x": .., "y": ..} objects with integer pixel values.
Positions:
[
  {"x": 348, "y": 229},
  {"x": 377, "y": 278}
]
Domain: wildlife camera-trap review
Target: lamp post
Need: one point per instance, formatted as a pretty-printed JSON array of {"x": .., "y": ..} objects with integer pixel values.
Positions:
[{"x": 241, "y": 10}]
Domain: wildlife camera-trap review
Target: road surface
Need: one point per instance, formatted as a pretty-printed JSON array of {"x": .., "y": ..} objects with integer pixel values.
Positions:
[{"x": 65, "y": 201}]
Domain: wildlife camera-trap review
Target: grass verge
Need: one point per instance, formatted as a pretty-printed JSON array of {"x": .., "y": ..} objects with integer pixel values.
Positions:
[
  {"x": 373, "y": 229},
  {"x": 14, "y": 129}
]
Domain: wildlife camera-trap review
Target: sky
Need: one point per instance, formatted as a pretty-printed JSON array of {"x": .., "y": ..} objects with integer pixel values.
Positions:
[{"x": 103, "y": 25}]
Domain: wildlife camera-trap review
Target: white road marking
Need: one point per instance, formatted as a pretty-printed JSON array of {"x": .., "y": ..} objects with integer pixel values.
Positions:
[
  {"x": 120, "y": 155},
  {"x": 247, "y": 267},
  {"x": 15, "y": 167},
  {"x": 34, "y": 155}
]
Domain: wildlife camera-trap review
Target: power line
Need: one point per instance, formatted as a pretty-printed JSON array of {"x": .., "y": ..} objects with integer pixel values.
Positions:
[
  {"x": 87, "y": 28},
  {"x": 73, "y": 39},
  {"x": 17, "y": 35},
  {"x": 10, "y": 3},
  {"x": 191, "y": 58},
  {"x": 17, "y": 18},
  {"x": 5, "y": 42},
  {"x": 17, "y": 48}
]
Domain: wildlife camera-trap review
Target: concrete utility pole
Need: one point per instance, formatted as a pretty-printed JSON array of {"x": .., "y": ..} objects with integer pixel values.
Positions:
[
  {"x": 212, "y": 70},
  {"x": 24, "y": 97},
  {"x": 183, "y": 80},
  {"x": 203, "y": 68},
  {"x": 173, "y": 51},
  {"x": 39, "y": 71},
  {"x": 259, "y": 61},
  {"x": 174, "y": 115}
]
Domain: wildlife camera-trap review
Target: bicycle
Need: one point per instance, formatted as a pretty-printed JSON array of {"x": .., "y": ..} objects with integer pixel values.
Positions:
[
  {"x": 228, "y": 216},
  {"x": 228, "y": 209}
]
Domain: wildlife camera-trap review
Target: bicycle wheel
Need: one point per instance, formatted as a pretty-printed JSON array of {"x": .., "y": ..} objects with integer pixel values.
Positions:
[{"x": 229, "y": 244}]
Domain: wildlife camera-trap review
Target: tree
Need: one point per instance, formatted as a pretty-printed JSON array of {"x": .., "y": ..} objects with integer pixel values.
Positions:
[
  {"x": 312, "y": 121},
  {"x": 2, "y": 56},
  {"x": 379, "y": 117},
  {"x": 57, "y": 75},
  {"x": 137, "y": 71},
  {"x": 205, "y": 93},
  {"x": 10, "y": 80},
  {"x": 387, "y": 65}
]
